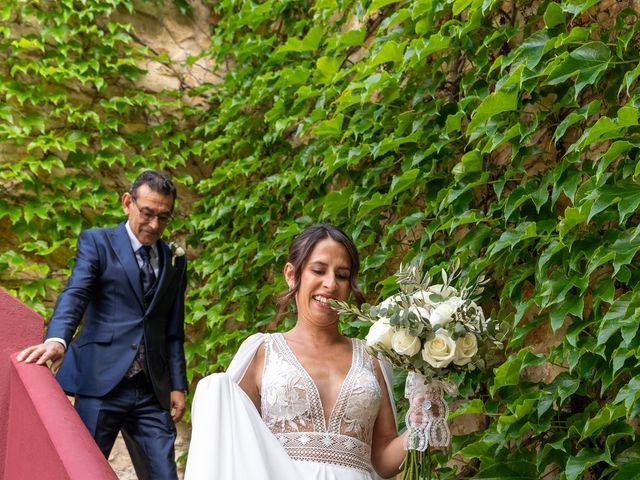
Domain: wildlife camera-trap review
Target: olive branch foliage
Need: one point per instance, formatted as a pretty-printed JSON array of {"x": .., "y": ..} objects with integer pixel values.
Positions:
[{"x": 501, "y": 133}]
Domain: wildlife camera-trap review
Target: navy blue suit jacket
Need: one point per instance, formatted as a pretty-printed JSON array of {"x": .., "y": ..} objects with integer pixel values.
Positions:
[{"x": 105, "y": 292}]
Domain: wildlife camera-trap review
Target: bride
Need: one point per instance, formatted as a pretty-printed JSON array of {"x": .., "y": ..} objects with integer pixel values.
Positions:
[{"x": 305, "y": 404}]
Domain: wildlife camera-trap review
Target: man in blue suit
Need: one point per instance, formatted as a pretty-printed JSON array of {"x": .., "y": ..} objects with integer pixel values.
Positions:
[{"x": 126, "y": 367}]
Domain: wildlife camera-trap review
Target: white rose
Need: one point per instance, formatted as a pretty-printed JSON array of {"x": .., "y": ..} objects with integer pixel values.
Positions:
[
  {"x": 405, "y": 344},
  {"x": 444, "y": 292},
  {"x": 466, "y": 348},
  {"x": 443, "y": 313},
  {"x": 380, "y": 334},
  {"x": 439, "y": 351}
]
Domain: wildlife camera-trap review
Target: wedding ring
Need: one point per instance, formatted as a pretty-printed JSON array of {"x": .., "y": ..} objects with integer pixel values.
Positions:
[{"x": 426, "y": 405}]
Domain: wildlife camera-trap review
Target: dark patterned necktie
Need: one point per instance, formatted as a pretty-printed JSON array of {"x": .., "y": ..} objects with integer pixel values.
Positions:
[
  {"x": 147, "y": 273},
  {"x": 148, "y": 279}
]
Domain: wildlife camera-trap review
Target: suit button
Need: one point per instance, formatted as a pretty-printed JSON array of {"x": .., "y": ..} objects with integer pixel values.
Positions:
[{"x": 134, "y": 346}]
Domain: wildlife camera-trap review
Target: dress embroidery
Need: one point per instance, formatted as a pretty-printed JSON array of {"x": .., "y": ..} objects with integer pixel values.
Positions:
[{"x": 292, "y": 409}]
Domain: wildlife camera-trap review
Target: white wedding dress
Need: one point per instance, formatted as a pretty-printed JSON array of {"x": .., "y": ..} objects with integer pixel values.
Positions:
[{"x": 290, "y": 439}]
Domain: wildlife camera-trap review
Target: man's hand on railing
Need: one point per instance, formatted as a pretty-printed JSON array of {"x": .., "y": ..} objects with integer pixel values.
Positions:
[{"x": 48, "y": 353}]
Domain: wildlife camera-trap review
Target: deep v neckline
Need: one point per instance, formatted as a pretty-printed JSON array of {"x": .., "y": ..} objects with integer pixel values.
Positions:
[{"x": 315, "y": 401}]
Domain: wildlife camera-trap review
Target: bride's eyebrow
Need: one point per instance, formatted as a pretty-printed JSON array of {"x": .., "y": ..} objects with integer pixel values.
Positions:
[
  {"x": 317, "y": 263},
  {"x": 320, "y": 263}
]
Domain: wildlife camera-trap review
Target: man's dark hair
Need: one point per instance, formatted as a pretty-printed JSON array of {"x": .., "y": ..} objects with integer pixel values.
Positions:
[{"x": 156, "y": 181}]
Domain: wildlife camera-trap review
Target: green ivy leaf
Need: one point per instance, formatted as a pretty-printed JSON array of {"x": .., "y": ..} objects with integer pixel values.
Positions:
[
  {"x": 571, "y": 305},
  {"x": 390, "y": 52},
  {"x": 331, "y": 127},
  {"x": 470, "y": 162},
  {"x": 511, "y": 470},
  {"x": 603, "y": 129},
  {"x": 496, "y": 103},
  {"x": 510, "y": 238},
  {"x": 566, "y": 386},
  {"x": 574, "y": 117},
  {"x": 404, "y": 182},
  {"x": 602, "y": 419},
  {"x": 628, "y": 394},
  {"x": 534, "y": 47},
  {"x": 628, "y": 471},
  {"x": 615, "y": 317},
  {"x": 624, "y": 250},
  {"x": 616, "y": 149},
  {"x": 377, "y": 201},
  {"x": 28, "y": 42},
  {"x": 553, "y": 15},
  {"x": 627, "y": 116},
  {"x": 460, "y": 5},
  {"x": 336, "y": 202},
  {"x": 573, "y": 216},
  {"x": 34, "y": 120},
  {"x": 309, "y": 43},
  {"x": 350, "y": 38},
  {"x": 328, "y": 67},
  {"x": 576, "y": 7},
  {"x": 479, "y": 449},
  {"x": 629, "y": 79},
  {"x": 378, "y": 4},
  {"x": 509, "y": 372},
  {"x": 585, "y": 458},
  {"x": 471, "y": 407}
]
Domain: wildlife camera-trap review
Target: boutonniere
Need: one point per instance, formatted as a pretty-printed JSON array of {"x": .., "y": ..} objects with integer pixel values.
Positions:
[{"x": 176, "y": 251}]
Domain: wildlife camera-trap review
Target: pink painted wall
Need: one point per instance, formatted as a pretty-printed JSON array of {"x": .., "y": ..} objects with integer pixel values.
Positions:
[
  {"x": 46, "y": 438},
  {"x": 19, "y": 327},
  {"x": 41, "y": 436}
]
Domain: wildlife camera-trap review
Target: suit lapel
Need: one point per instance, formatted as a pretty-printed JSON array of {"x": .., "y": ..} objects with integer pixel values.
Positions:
[{"x": 127, "y": 258}]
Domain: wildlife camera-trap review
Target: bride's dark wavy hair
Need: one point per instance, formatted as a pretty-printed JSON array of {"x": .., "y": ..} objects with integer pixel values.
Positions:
[{"x": 299, "y": 252}]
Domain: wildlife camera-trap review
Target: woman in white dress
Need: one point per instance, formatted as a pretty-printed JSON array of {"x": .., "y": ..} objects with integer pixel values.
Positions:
[{"x": 305, "y": 404}]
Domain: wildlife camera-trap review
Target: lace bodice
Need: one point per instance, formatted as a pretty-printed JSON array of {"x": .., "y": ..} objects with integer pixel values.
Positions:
[{"x": 292, "y": 409}]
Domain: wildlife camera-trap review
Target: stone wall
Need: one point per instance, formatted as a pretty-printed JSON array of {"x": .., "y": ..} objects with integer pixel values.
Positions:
[{"x": 180, "y": 39}]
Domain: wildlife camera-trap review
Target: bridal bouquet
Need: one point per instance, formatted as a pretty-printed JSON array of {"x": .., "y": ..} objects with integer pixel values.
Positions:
[{"x": 430, "y": 330}]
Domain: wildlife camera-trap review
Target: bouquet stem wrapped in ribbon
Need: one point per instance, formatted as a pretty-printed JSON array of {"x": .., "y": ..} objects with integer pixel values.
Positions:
[
  {"x": 429, "y": 330},
  {"x": 426, "y": 396}
]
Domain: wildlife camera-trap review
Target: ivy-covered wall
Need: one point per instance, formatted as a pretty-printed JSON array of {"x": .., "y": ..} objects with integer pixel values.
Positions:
[{"x": 501, "y": 133}]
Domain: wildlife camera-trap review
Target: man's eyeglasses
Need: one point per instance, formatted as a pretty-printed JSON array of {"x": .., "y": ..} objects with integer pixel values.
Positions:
[{"x": 148, "y": 215}]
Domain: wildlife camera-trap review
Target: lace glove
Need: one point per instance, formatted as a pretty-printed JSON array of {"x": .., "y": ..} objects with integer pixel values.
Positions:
[{"x": 426, "y": 418}]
